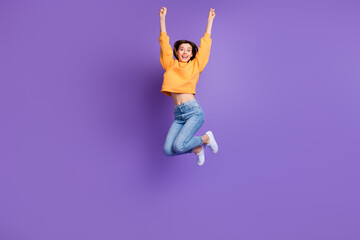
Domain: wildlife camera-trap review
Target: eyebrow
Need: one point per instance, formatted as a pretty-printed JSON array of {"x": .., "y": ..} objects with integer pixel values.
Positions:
[{"x": 184, "y": 47}]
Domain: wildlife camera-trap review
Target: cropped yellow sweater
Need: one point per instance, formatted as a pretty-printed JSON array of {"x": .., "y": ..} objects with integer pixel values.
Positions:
[{"x": 182, "y": 77}]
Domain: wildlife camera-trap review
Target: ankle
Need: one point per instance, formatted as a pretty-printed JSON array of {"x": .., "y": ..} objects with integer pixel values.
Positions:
[
  {"x": 206, "y": 139},
  {"x": 197, "y": 149}
]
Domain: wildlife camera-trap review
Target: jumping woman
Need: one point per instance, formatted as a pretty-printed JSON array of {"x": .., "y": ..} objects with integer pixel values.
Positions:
[{"x": 180, "y": 79}]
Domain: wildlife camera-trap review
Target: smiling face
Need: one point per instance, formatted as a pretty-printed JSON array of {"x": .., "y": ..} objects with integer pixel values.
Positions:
[{"x": 184, "y": 52}]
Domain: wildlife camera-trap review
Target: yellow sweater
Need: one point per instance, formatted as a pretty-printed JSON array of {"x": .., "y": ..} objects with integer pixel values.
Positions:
[{"x": 182, "y": 77}]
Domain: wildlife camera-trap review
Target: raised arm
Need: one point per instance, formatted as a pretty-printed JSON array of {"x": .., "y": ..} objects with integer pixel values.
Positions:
[
  {"x": 210, "y": 20},
  {"x": 162, "y": 14},
  {"x": 202, "y": 56},
  {"x": 166, "y": 52}
]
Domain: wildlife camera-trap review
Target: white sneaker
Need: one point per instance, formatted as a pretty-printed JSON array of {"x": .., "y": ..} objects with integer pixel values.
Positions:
[
  {"x": 201, "y": 155},
  {"x": 212, "y": 144}
]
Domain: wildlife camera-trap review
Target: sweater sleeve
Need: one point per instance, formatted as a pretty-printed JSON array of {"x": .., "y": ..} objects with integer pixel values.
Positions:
[
  {"x": 166, "y": 52},
  {"x": 202, "y": 56}
]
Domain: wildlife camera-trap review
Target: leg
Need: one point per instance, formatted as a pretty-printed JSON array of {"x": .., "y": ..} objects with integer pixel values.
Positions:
[
  {"x": 175, "y": 128},
  {"x": 185, "y": 141}
]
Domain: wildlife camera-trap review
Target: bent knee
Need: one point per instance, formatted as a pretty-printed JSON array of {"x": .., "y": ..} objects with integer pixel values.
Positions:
[
  {"x": 178, "y": 147},
  {"x": 167, "y": 151}
]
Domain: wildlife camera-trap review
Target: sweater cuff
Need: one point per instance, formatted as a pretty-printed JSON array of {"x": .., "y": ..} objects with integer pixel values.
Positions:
[
  {"x": 207, "y": 35},
  {"x": 163, "y": 34}
]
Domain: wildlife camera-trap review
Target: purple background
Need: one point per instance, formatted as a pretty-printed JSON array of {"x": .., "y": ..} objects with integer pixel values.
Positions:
[{"x": 83, "y": 122}]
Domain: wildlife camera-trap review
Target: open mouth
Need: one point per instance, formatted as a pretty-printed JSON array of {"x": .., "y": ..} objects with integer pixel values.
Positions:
[{"x": 183, "y": 57}]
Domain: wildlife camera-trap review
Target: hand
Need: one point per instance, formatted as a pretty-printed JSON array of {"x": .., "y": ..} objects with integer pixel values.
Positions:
[
  {"x": 211, "y": 14},
  {"x": 162, "y": 12}
]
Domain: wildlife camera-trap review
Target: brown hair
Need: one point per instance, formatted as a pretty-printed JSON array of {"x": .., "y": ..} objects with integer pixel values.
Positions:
[{"x": 194, "y": 48}]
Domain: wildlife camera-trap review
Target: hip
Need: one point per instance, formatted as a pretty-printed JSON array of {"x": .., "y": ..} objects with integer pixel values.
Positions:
[{"x": 188, "y": 109}]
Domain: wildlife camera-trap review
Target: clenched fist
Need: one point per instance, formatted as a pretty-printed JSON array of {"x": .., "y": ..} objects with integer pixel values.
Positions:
[
  {"x": 211, "y": 14},
  {"x": 162, "y": 12}
]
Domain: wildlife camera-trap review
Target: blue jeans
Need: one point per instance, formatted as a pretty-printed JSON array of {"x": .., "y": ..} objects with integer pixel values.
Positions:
[{"x": 189, "y": 117}]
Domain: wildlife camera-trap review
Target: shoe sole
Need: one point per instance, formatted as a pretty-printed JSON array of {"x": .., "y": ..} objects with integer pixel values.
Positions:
[
  {"x": 214, "y": 141},
  {"x": 203, "y": 149}
]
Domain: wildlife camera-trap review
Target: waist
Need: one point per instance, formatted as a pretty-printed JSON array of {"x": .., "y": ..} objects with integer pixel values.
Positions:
[
  {"x": 180, "y": 98},
  {"x": 192, "y": 102}
]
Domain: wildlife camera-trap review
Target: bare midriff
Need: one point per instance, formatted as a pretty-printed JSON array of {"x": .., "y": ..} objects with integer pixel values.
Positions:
[{"x": 180, "y": 98}]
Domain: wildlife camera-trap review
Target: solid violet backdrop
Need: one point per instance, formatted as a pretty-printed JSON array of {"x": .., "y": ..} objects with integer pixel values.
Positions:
[{"x": 83, "y": 122}]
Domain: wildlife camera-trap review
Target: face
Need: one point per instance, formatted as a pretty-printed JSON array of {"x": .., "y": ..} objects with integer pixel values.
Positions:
[{"x": 184, "y": 52}]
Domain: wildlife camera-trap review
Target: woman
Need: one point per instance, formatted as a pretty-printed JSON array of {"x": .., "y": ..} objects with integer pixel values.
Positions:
[{"x": 180, "y": 79}]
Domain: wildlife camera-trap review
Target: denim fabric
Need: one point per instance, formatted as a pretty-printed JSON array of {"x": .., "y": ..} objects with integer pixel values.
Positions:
[{"x": 189, "y": 117}]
